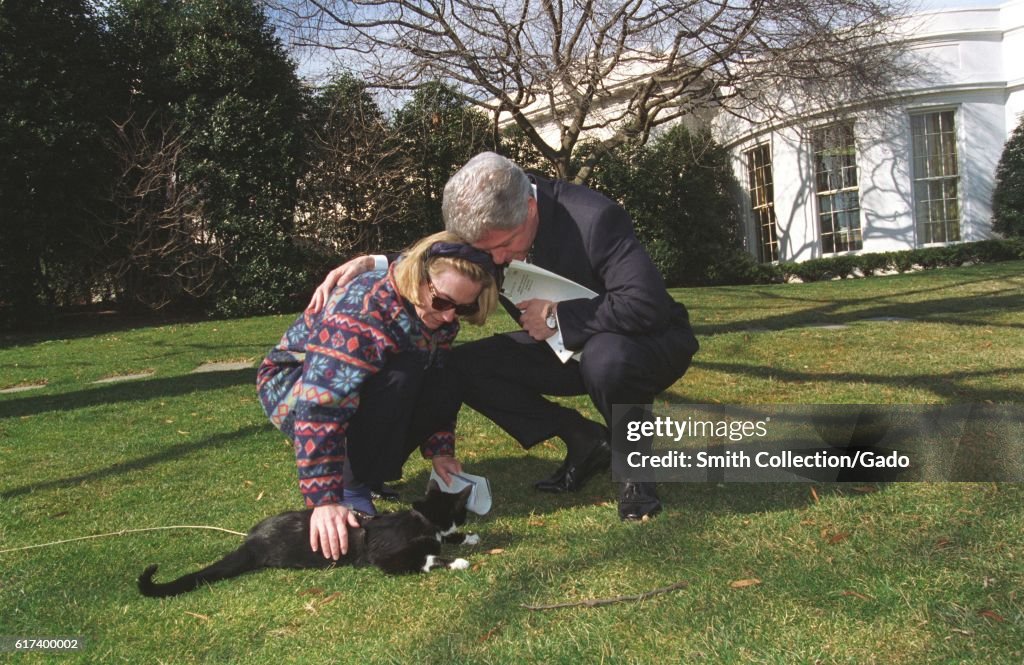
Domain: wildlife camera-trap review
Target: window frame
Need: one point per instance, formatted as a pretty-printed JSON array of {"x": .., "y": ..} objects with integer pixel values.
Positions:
[
  {"x": 762, "y": 200},
  {"x": 852, "y": 237},
  {"x": 952, "y": 228}
]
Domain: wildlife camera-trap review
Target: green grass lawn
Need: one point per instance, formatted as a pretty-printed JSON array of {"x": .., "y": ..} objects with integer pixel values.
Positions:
[{"x": 904, "y": 573}]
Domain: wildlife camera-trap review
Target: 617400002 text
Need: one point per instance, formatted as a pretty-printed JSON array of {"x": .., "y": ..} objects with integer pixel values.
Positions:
[{"x": 16, "y": 643}]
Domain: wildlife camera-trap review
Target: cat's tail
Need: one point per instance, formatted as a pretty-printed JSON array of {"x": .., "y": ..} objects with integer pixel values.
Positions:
[{"x": 236, "y": 563}]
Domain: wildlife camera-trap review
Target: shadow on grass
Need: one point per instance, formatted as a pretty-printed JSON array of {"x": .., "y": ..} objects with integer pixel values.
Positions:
[
  {"x": 675, "y": 547},
  {"x": 949, "y": 386},
  {"x": 129, "y": 391},
  {"x": 173, "y": 452},
  {"x": 954, "y": 311}
]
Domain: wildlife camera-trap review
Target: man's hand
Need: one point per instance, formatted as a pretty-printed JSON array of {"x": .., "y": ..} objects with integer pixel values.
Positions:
[
  {"x": 328, "y": 530},
  {"x": 534, "y": 317},
  {"x": 340, "y": 276},
  {"x": 445, "y": 465}
]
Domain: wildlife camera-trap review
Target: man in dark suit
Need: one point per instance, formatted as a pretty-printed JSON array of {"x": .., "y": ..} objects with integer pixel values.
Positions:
[{"x": 635, "y": 340}]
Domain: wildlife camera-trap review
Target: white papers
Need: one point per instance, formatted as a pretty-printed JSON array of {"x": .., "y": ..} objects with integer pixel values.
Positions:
[
  {"x": 525, "y": 281},
  {"x": 479, "y": 497}
]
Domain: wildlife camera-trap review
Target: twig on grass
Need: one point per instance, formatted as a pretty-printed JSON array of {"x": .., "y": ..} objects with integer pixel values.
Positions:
[
  {"x": 597, "y": 602},
  {"x": 121, "y": 533}
]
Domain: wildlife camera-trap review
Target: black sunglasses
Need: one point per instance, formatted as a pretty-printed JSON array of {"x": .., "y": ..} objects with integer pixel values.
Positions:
[{"x": 442, "y": 304}]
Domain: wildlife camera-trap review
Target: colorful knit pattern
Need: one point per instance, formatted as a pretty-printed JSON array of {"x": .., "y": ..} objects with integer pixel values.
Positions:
[{"x": 309, "y": 383}]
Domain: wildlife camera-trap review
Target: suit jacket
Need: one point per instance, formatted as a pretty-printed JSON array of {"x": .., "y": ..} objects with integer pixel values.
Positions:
[{"x": 588, "y": 238}]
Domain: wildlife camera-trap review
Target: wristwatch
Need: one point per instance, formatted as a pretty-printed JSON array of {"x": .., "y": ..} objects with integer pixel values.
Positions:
[{"x": 551, "y": 320}]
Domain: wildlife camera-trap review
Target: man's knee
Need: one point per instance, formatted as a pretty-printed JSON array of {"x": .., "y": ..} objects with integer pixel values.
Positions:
[{"x": 608, "y": 360}]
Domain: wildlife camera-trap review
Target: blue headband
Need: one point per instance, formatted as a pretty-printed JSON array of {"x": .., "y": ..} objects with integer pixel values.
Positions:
[{"x": 468, "y": 252}]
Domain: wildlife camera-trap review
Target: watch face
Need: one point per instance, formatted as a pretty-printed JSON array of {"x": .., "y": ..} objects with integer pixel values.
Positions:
[{"x": 552, "y": 321}]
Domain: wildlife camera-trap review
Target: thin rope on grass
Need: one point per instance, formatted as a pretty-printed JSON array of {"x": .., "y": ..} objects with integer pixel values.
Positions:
[
  {"x": 121, "y": 533},
  {"x": 598, "y": 602}
]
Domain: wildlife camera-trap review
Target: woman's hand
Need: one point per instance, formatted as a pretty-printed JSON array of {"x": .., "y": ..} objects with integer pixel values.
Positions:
[
  {"x": 328, "y": 529},
  {"x": 340, "y": 276},
  {"x": 445, "y": 465}
]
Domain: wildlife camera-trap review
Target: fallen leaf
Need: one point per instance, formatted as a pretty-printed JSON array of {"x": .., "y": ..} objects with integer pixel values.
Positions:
[
  {"x": 989, "y": 614},
  {"x": 496, "y": 550},
  {"x": 535, "y": 522},
  {"x": 248, "y": 483},
  {"x": 489, "y": 634},
  {"x": 814, "y": 494},
  {"x": 943, "y": 542},
  {"x": 864, "y": 489},
  {"x": 331, "y": 598},
  {"x": 838, "y": 537},
  {"x": 183, "y": 432},
  {"x": 743, "y": 584},
  {"x": 198, "y": 616},
  {"x": 259, "y": 496},
  {"x": 312, "y": 591}
]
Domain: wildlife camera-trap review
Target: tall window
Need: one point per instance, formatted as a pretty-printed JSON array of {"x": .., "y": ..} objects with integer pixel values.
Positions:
[
  {"x": 762, "y": 199},
  {"x": 835, "y": 182},
  {"x": 936, "y": 177}
]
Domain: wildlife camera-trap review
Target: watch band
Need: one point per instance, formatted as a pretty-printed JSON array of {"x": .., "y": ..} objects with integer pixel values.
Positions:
[{"x": 551, "y": 320}]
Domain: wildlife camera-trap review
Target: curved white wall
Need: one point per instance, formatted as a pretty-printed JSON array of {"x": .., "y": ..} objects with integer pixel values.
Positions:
[{"x": 977, "y": 71}]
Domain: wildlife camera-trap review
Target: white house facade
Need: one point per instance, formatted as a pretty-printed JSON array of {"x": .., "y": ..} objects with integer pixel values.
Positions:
[{"x": 916, "y": 172}]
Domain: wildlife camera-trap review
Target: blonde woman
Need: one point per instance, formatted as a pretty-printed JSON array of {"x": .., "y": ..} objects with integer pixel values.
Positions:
[{"x": 361, "y": 383}]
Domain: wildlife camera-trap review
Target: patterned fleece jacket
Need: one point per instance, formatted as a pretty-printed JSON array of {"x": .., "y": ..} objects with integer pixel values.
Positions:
[{"x": 309, "y": 383}]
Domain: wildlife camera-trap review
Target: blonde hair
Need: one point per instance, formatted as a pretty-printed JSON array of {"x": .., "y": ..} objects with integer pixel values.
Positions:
[{"x": 417, "y": 265}]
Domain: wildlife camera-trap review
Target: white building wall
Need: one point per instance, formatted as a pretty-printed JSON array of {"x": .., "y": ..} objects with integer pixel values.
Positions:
[
  {"x": 1013, "y": 52},
  {"x": 976, "y": 69},
  {"x": 883, "y": 149}
]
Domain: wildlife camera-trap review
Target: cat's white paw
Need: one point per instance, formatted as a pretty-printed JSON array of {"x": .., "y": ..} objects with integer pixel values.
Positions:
[
  {"x": 459, "y": 564},
  {"x": 471, "y": 539}
]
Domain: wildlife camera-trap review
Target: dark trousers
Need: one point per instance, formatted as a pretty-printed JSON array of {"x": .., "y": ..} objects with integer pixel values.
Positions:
[
  {"x": 505, "y": 377},
  {"x": 399, "y": 408}
]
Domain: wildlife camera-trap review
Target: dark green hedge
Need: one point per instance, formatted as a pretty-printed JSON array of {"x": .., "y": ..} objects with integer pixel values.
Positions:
[{"x": 865, "y": 265}]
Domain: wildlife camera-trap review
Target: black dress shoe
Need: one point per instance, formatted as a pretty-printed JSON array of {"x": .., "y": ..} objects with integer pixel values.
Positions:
[
  {"x": 571, "y": 477},
  {"x": 638, "y": 500},
  {"x": 384, "y": 493},
  {"x": 556, "y": 478}
]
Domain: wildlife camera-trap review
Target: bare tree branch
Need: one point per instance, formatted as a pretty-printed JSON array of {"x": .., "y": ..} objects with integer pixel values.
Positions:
[
  {"x": 617, "y": 69},
  {"x": 163, "y": 246}
]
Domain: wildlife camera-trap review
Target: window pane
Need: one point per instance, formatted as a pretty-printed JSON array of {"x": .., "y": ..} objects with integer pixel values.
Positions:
[
  {"x": 835, "y": 165},
  {"x": 936, "y": 177},
  {"x": 759, "y": 169}
]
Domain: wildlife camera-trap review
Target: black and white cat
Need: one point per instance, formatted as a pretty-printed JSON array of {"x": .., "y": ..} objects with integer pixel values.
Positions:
[{"x": 407, "y": 541}]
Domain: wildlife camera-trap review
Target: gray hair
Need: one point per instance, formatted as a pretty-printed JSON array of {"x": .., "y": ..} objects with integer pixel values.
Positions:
[{"x": 489, "y": 193}]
